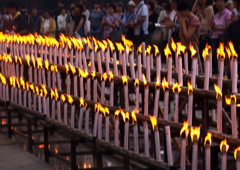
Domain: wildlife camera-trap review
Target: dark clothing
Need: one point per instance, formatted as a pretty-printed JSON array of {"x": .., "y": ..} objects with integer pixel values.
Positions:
[
  {"x": 20, "y": 24},
  {"x": 34, "y": 24},
  {"x": 76, "y": 20},
  {"x": 233, "y": 32},
  {"x": 152, "y": 19}
]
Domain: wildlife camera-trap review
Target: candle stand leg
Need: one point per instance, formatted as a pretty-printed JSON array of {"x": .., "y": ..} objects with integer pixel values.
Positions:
[
  {"x": 9, "y": 115},
  {"x": 30, "y": 140},
  {"x": 46, "y": 143},
  {"x": 73, "y": 155}
]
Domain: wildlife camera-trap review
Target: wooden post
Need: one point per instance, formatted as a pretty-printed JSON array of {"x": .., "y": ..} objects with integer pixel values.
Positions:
[
  {"x": 9, "y": 115},
  {"x": 46, "y": 143},
  {"x": 30, "y": 141},
  {"x": 73, "y": 155}
]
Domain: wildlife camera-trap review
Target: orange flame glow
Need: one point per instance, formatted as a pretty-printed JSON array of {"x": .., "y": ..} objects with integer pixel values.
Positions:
[
  {"x": 192, "y": 50},
  {"x": 220, "y": 51},
  {"x": 156, "y": 50},
  {"x": 205, "y": 52},
  {"x": 134, "y": 118},
  {"x": 195, "y": 132},
  {"x": 173, "y": 45},
  {"x": 190, "y": 88},
  {"x": 184, "y": 129},
  {"x": 237, "y": 153},
  {"x": 124, "y": 80},
  {"x": 233, "y": 52},
  {"x": 208, "y": 139},
  {"x": 165, "y": 84},
  {"x": 224, "y": 144},
  {"x": 167, "y": 51},
  {"x": 180, "y": 48},
  {"x": 144, "y": 80},
  {"x": 153, "y": 120},
  {"x": 218, "y": 91},
  {"x": 104, "y": 77},
  {"x": 177, "y": 87}
]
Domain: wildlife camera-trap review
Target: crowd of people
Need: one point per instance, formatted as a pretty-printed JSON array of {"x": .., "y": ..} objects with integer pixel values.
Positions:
[{"x": 151, "y": 21}]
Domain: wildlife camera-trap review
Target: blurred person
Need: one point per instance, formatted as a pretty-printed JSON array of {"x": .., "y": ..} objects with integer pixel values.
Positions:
[
  {"x": 86, "y": 10},
  {"x": 69, "y": 20},
  {"x": 79, "y": 19},
  {"x": 48, "y": 26},
  {"x": 34, "y": 21},
  {"x": 87, "y": 23},
  {"x": 204, "y": 10},
  {"x": 157, "y": 7},
  {"x": 140, "y": 22},
  {"x": 152, "y": 18},
  {"x": 230, "y": 5},
  {"x": 96, "y": 18},
  {"x": 110, "y": 21},
  {"x": 189, "y": 30},
  {"x": 129, "y": 18},
  {"x": 61, "y": 21},
  {"x": 6, "y": 19},
  {"x": 19, "y": 23},
  {"x": 121, "y": 16},
  {"x": 221, "y": 21}
]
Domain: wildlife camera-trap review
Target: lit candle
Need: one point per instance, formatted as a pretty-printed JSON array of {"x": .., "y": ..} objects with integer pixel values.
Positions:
[
  {"x": 195, "y": 134},
  {"x": 176, "y": 90},
  {"x": 184, "y": 134},
  {"x": 206, "y": 57},
  {"x": 237, "y": 157},
  {"x": 153, "y": 120},
  {"x": 207, "y": 144},
  {"x": 219, "y": 108},
  {"x": 224, "y": 149}
]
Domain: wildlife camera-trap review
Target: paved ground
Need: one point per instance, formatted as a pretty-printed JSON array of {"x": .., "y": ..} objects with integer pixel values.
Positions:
[{"x": 12, "y": 157}]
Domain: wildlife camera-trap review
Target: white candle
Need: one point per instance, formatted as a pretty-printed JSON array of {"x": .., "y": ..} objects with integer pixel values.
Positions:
[
  {"x": 132, "y": 69},
  {"x": 220, "y": 72},
  {"x": 237, "y": 158},
  {"x": 234, "y": 119},
  {"x": 186, "y": 62},
  {"x": 116, "y": 131},
  {"x": 183, "y": 153},
  {"x": 219, "y": 115},
  {"x": 80, "y": 121},
  {"x": 144, "y": 54},
  {"x": 169, "y": 145},
  {"x": 206, "y": 73},
  {"x": 224, "y": 161},
  {"x": 207, "y": 157},
  {"x": 157, "y": 144},
  {"x": 72, "y": 124},
  {"x": 195, "y": 155}
]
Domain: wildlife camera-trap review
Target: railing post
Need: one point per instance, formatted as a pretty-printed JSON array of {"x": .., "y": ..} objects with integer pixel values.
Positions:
[
  {"x": 73, "y": 155},
  {"x": 30, "y": 140},
  {"x": 46, "y": 142},
  {"x": 9, "y": 116}
]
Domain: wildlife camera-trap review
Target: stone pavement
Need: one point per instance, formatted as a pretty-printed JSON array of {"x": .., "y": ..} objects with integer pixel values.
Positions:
[{"x": 12, "y": 157}]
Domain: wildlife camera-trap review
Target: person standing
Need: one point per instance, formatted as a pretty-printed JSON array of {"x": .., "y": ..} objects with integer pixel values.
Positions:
[
  {"x": 96, "y": 18},
  {"x": 221, "y": 21},
  {"x": 129, "y": 18},
  {"x": 34, "y": 21},
  {"x": 19, "y": 23},
  {"x": 48, "y": 26},
  {"x": 61, "y": 21},
  {"x": 140, "y": 22}
]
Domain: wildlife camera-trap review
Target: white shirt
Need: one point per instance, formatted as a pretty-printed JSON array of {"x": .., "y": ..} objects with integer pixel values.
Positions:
[
  {"x": 141, "y": 10},
  {"x": 61, "y": 21},
  {"x": 46, "y": 25}
]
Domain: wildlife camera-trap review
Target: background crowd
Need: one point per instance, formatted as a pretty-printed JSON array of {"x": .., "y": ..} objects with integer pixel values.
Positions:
[{"x": 183, "y": 20}]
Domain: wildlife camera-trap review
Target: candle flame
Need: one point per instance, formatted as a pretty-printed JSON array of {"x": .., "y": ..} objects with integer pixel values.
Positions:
[
  {"x": 157, "y": 84},
  {"x": 93, "y": 74},
  {"x": 111, "y": 45},
  {"x": 117, "y": 112},
  {"x": 165, "y": 84},
  {"x": 63, "y": 97},
  {"x": 104, "y": 77},
  {"x": 195, "y": 132},
  {"x": 180, "y": 48},
  {"x": 220, "y": 51},
  {"x": 72, "y": 68},
  {"x": 192, "y": 50},
  {"x": 134, "y": 118},
  {"x": 3, "y": 79},
  {"x": 190, "y": 88},
  {"x": 173, "y": 45},
  {"x": 218, "y": 91},
  {"x": 124, "y": 80},
  {"x": 233, "y": 52},
  {"x": 236, "y": 153},
  {"x": 139, "y": 49},
  {"x": 125, "y": 116},
  {"x": 127, "y": 42},
  {"x": 120, "y": 47},
  {"x": 111, "y": 76},
  {"x": 46, "y": 63},
  {"x": 184, "y": 129},
  {"x": 208, "y": 139},
  {"x": 233, "y": 98},
  {"x": 156, "y": 50},
  {"x": 153, "y": 120},
  {"x": 144, "y": 80},
  {"x": 224, "y": 144},
  {"x": 176, "y": 88},
  {"x": 205, "y": 52},
  {"x": 148, "y": 50},
  {"x": 167, "y": 51}
]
